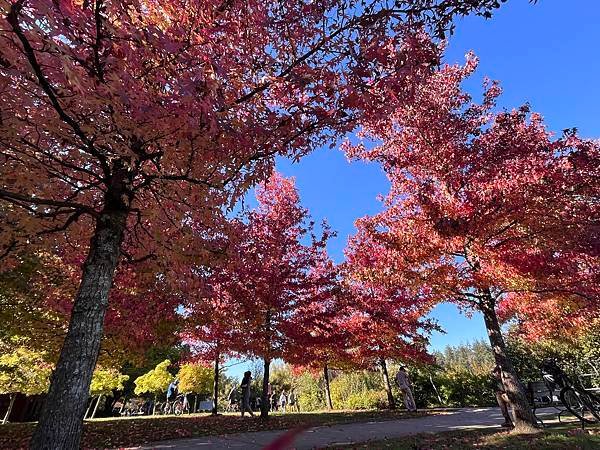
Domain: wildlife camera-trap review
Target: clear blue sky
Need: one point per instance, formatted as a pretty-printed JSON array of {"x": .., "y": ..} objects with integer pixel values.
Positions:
[{"x": 547, "y": 55}]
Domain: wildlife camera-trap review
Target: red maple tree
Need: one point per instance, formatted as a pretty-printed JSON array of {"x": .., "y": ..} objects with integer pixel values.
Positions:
[
  {"x": 123, "y": 122},
  {"x": 483, "y": 207},
  {"x": 272, "y": 277}
]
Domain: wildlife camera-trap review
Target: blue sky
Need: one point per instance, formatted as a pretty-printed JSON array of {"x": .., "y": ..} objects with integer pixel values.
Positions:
[{"x": 545, "y": 54}]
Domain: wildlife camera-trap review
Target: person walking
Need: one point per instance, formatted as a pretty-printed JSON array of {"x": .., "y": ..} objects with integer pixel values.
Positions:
[
  {"x": 273, "y": 401},
  {"x": 245, "y": 387},
  {"x": 404, "y": 384},
  {"x": 283, "y": 401}
]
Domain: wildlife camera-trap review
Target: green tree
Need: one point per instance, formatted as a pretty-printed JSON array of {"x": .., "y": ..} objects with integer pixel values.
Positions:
[
  {"x": 104, "y": 382},
  {"x": 23, "y": 371},
  {"x": 155, "y": 381},
  {"x": 281, "y": 378},
  {"x": 310, "y": 392}
]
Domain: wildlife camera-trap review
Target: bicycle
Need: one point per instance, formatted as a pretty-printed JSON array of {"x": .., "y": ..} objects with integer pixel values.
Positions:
[
  {"x": 178, "y": 406},
  {"x": 576, "y": 398}
]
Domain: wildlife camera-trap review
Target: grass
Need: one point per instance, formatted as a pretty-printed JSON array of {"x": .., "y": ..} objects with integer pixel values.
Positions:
[
  {"x": 129, "y": 431},
  {"x": 564, "y": 437}
]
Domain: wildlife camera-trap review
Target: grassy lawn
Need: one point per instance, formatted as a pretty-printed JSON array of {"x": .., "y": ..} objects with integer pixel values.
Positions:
[
  {"x": 556, "y": 438},
  {"x": 128, "y": 431}
]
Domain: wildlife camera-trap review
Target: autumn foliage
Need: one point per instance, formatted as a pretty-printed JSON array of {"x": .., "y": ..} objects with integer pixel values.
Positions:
[
  {"x": 485, "y": 208},
  {"x": 129, "y": 130}
]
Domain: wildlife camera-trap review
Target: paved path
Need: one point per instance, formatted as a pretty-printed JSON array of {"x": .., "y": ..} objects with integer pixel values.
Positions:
[{"x": 482, "y": 418}]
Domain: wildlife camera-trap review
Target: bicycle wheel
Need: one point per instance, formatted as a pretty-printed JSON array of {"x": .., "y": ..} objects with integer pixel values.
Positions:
[
  {"x": 590, "y": 401},
  {"x": 178, "y": 408},
  {"x": 578, "y": 404}
]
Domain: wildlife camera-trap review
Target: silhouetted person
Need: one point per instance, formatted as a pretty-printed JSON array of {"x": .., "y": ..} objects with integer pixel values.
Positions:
[{"x": 245, "y": 406}]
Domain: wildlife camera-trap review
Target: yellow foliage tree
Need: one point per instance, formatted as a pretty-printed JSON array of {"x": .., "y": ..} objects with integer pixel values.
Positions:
[
  {"x": 195, "y": 379},
  {"x": 104, "y": 382},
  {"x": 155, "y": 381},
  {"x": 23, "y": 371}
]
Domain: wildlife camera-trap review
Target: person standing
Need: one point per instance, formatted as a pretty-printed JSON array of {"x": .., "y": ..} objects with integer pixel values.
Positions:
[
  {"x": 245, "y": 387},
  {"x": 283, "y": 401},
  {"x": 293, "y": 401},
  {"x": 502, "y": 397},
  {"x": 405, "y": 386}
]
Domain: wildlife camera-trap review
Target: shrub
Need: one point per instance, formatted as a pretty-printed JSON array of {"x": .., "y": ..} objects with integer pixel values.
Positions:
[
  {"x": 310, "y": 392},
  {"x": 369, "y": 399}
]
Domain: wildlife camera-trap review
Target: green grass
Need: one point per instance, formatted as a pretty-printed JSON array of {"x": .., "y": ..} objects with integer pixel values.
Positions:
[
  {"x": 129, "y": 431},
  {"x": 565, "y": 437}
]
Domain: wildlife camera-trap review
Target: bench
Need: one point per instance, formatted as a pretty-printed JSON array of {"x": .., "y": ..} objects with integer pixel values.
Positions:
[{"x": 542, "y": 396}]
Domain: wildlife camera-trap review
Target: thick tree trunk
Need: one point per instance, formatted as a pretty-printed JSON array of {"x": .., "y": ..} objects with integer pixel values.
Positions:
[
  {"x": 61, "y": 421},
  {"x": 265, "y": 401},
  {"x": 96, "y": 407},
  {"x": 216, "y": 387},
  {"x": 388, "y": 386},
  {"x": 327, "y": 389},
  {"x": 515, "y": 390},
  {"x": 10, "y": 407}
]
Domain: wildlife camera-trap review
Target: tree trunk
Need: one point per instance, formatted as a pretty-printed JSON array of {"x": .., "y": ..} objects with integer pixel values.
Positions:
[
  {"x": 388, "y": 386},
  {"x": 154, "y": 405},
  {"x": 216, "y": 387},
  {"x": 437, "y": 393},
  {"x": 90, "y": 402},
  {"x": 517, "y": 396},
  {"x": 265, "y": 401},
  {"x": 125, "y": 400},
  {"x": 13, "y": 396},
  {"x": 96, "y": 407},
  {"x": 195, "y": 403},
  {"x": 61, "y": 421},
  {"x": 327, "y": 389}
]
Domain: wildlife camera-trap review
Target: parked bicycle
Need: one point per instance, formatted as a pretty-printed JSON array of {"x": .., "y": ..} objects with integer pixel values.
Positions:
[{"x": 580, "y": 402}]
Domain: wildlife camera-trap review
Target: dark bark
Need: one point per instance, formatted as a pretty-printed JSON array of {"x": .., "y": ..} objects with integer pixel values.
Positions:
[
  {"x": 327, "y": 388},
  {"x": 216, "y": 388},
  {"x": 61, "y": 421},
  {"x": 513, "y": 387},
  {"x": 388, "y": 386},
  {"x": 265, "y": 401}
]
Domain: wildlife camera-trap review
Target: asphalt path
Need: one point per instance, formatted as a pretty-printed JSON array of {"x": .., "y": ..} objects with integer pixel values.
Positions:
[{"x": 349, "y": 433}]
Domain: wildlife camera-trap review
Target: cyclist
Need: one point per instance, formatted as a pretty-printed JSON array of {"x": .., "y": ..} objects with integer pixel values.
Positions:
[{"x": 172, "y": 390}]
